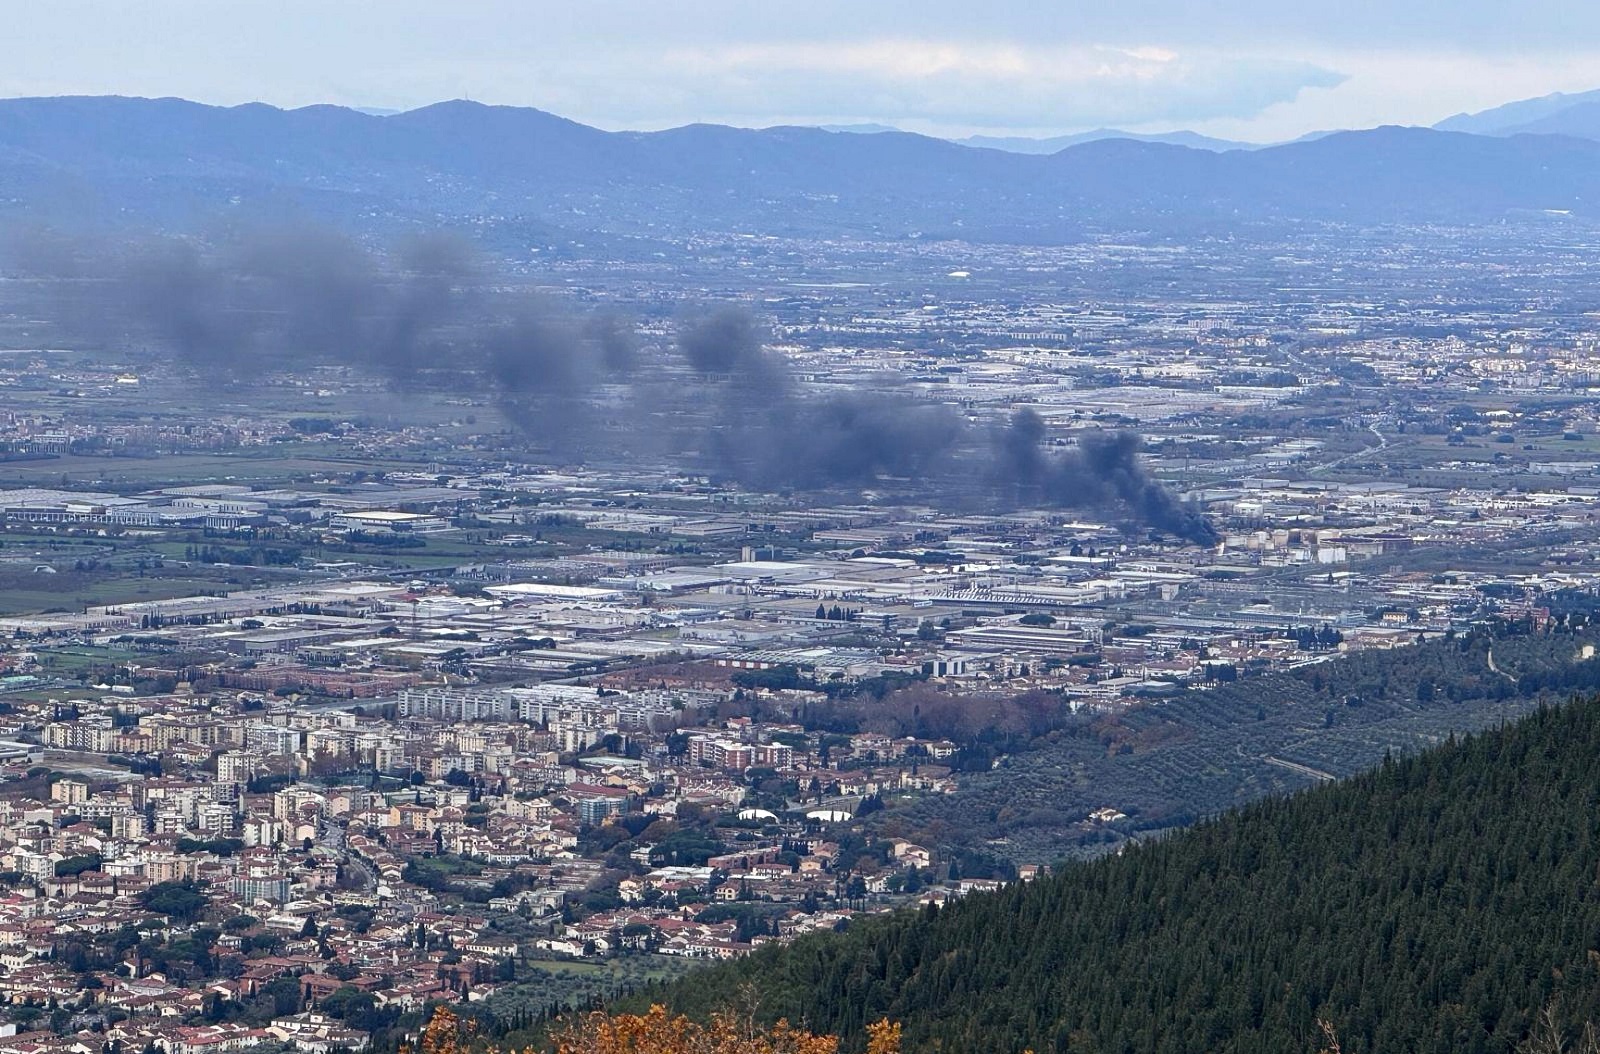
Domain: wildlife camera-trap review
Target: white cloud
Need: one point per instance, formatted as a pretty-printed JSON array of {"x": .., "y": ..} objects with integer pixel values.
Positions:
[
  {"x": 1391, "y": 86},
  {"x": 995, "y": 86},
  {"x": 1247, "y": 68}
]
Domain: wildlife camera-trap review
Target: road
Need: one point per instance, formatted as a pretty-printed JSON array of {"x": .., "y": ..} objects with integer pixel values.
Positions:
[
  {"x": 1304, "y": 770},
  {"x": 333, "y": 838},
  {"x": 1383, "y": 444}
]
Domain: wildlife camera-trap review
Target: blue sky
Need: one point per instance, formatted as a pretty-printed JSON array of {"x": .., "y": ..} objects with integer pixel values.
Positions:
[{"x": 1249, "y": 69}]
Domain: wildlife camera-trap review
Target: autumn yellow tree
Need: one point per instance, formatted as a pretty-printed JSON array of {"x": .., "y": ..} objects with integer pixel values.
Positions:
[
  {"x": 445, "y": 1033},
  {"x": 660, "y": 1032}
]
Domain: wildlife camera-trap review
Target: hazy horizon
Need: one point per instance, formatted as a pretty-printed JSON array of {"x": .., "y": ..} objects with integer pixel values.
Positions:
[
  {"x": 939, "y": 68},
  {"x": 997, "y": 135}
]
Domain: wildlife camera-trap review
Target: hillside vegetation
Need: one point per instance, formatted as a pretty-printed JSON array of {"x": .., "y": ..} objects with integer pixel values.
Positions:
[
  {"x": 1431, "y": 905},
  {"x": 1174, "y": 761}
]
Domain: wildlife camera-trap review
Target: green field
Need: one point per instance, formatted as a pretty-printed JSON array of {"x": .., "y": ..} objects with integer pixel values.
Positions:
[
  {"x": 24, "y": 592},
  {"x": 114, "y": 473},
  {"x": 543, "y": 983},
  {"x": 66, "y": 662}
]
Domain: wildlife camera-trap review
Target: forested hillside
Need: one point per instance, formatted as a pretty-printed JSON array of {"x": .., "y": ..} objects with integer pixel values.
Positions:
[{"x": 1431, "y": 905}]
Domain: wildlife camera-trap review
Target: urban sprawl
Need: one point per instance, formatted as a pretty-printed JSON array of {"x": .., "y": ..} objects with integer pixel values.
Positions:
[{"x": 328, "y": 702}]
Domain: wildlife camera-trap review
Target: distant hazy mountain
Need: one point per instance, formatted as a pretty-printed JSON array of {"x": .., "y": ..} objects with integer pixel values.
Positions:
[
  {"x": 1547, "y": 111},
  {"x": 1311, "y": 137},
  {"x": 1017, "y": 144},
  {"x": 524, "y": 178},
  {"x": 1581, "y": 120},
  {"x": 1023, "y": 145},
  {"x": 860, "y": 129}
]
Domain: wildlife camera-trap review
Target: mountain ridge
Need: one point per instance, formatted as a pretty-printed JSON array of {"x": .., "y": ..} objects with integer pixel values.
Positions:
[
  {"x": 1580, "y": 119},
  {"x": 1507, "y": 118},
  {"x": 512, "y": 171},
  {"x": 1056, "y": 143}
]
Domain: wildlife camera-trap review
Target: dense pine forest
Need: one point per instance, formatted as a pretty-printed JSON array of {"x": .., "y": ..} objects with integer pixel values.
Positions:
[{"x": 1430, "y": 905}]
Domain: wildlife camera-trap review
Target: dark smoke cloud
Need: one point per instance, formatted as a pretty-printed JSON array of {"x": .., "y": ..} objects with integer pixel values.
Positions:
[
  {"x": 617, "y": 341},
  {"x": 771, "y": 437},
  {"x": 1102, "y": 471},
  {"x": 819, "y": 442},
  {"x": 544, "y": 369},
  {"x": 260, "y": 300},
  {"x": 430, "y": 315},
  {"x": 727, "y": 342},
  {"x": 439, "y": 276}
]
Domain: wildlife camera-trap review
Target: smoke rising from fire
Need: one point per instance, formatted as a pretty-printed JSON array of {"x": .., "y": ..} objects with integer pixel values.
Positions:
[{"x": 430, "y": 314}]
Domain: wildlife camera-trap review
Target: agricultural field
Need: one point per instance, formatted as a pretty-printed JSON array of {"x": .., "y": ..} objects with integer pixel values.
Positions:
[{"x": 25, "y": 591}]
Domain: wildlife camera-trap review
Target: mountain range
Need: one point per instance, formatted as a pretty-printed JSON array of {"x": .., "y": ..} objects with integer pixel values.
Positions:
[
  {"x": 1558, "y": 113},
  {"x": 1017, "y": 144},
  {"x": 525, "y": 177},
  {"x": 1554, "y": 114}
]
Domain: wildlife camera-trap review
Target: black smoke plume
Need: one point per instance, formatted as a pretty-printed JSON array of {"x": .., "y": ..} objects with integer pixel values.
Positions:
[
  {"x": 1102, "y": 471},
  {"x": 429, "y": 315}
]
